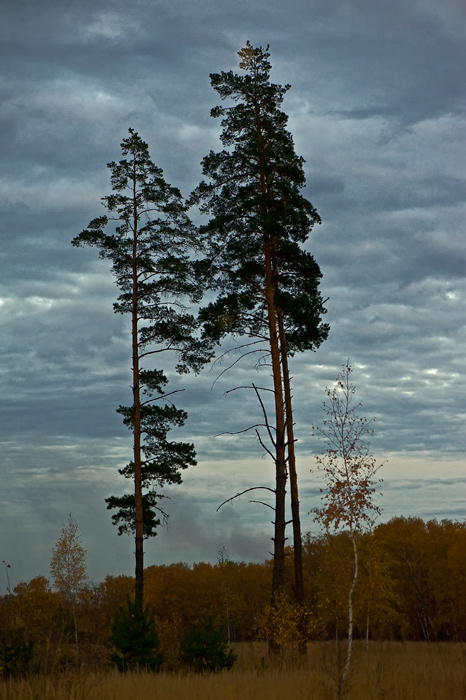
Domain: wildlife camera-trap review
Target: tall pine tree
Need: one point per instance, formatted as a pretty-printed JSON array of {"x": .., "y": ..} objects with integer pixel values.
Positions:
[
  {"x": 267, "y": 283},
  {"x": 150, "y": 252}
]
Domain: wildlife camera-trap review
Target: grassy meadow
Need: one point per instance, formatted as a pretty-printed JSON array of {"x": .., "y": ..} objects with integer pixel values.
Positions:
[{"x": 390, "y": 671}]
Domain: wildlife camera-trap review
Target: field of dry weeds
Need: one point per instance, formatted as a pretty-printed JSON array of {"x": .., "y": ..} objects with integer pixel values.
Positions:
[{"x": 389, "y": 671}]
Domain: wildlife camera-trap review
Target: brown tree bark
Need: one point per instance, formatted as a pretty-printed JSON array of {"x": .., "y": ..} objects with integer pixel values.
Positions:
[
  {"x": 278, "y": 578},
  {"x": 296, "y": 518},
  {"x": 297, "y": 538},
  {"x": 139, "y": 534},
  {"x": 280, "y": 451}
]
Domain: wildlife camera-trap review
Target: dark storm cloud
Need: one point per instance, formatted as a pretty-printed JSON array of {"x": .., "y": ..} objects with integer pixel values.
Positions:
[{"x": 377, "y": 111}]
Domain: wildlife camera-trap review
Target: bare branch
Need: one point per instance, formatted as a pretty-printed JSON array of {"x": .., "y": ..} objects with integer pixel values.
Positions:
[
  {"x": 239, "y": 432},
  {"x": 261, "y": 442},
  {"x": 263, "y": 504},
  {"x": 243, "y": 355},
  {"x": 264, "y": 412},
  {"x": 162, "y": 396},
  {"x": 261, "y": 388},
  {"x": 253, "y": 488}
]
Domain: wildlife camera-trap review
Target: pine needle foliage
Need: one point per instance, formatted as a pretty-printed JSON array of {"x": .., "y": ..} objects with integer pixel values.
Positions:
[
  {"x": 204, "y": 646},
  {"x": 150, "y": 241},
  {"x": 16, "y": 659},
  {"x": 135, "y": 639},
  {"x": 267, "y": 282},
  {"x": 256, "y": 205}
]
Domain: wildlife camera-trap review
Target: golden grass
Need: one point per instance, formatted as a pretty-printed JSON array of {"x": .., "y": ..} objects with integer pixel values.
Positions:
[{"x": 391, "y": 671}]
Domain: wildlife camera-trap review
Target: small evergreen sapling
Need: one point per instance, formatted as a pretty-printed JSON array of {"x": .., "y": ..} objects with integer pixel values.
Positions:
[
  {"x": 205, "y": 645},
  {"x": 135, "y": 639},
  {"x": 16, "y": 659}
]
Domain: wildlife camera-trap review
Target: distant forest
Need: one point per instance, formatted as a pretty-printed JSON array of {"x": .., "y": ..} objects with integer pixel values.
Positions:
[{"x": 411, "y": 586}]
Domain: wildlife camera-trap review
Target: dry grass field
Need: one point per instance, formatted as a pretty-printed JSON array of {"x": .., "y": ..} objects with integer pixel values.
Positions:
[{"x": 391, "y": 671}]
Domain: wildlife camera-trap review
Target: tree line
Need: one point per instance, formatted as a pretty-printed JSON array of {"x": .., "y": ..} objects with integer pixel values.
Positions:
[{"x": 411, "y": 586}]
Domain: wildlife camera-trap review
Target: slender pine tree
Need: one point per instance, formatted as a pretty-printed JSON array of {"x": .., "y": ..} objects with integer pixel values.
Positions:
[
  {"x": 150, "y": 249},
  {"x": 267, "y": 283}
]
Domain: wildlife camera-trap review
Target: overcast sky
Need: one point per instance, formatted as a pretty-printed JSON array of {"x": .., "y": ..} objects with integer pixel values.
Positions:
[{"x": 377, "y": 111}]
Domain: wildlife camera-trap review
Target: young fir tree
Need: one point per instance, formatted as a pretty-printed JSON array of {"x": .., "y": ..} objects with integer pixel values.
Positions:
[
  {"x": 135, "y": 639},
  {"x": 267, "y": 283},
  {"x": 150, "y": 253},
  {"x": 205, "y": 647}
]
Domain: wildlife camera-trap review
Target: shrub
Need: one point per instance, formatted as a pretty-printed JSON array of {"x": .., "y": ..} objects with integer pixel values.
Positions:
[
  {"x": 135, "y": 639},
  {"x": 16, "y": 659},
  {"x": 204, "y": 646}
]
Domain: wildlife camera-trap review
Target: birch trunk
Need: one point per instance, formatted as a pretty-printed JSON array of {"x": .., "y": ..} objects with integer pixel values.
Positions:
[{"x": 344, "y": 678}]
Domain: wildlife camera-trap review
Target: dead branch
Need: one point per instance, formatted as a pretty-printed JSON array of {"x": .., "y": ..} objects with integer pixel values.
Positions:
[
  {"x": 263, "y": 504},
  {"x": 261, "y": 388},
  {"x": 244, "y": 354},
  {"x": 264, "y": 412},
  {"x": 161, "y": 396},
  {"x": 253, "y": 488},
  {"x": 261, "y": 443},
  {"x": 239, "y": 432}
]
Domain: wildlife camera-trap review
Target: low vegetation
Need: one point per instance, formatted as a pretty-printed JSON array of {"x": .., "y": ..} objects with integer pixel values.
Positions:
[
  {"x": 209, "y": 626},
  {"x": 395, "y": 670}
]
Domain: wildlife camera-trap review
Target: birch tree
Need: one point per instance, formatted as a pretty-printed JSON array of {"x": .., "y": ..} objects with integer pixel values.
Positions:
[
  {"x": 349, "y": 472},
  {"x": 68, "y": 567}
]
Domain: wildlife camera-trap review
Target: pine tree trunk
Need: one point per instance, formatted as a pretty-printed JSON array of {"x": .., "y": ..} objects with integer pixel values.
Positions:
[
  {"x": 280, "y": 452},
  {"x": 280, "y": 493},
  {"x": 139, "y": 523},
  {"x": 297, "y": 538},
  {"x": 280, "y": 455}
]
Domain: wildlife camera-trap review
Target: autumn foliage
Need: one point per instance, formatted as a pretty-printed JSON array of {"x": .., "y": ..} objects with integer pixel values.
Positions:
[{"x": 411, "y": 586}]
